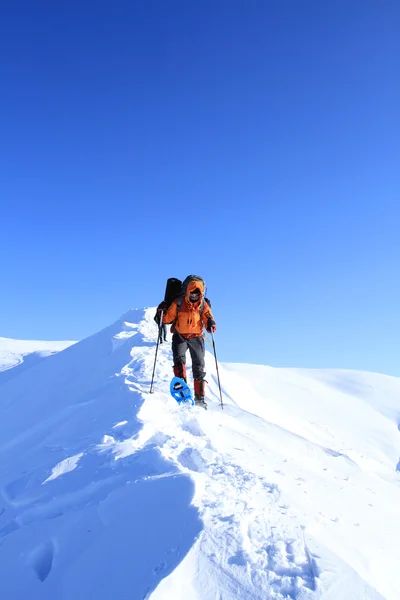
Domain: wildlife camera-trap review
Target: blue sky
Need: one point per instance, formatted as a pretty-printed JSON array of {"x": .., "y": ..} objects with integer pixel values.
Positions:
[{"x": 253, "y": 143}]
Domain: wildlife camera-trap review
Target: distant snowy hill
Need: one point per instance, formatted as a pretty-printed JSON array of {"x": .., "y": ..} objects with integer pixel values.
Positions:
[
  {"x": 15, "y": 352},
  {"x": 291, "y": 492}
]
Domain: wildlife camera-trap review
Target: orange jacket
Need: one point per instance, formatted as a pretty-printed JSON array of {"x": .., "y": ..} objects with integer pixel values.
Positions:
[{"x": 188, "y": 321}]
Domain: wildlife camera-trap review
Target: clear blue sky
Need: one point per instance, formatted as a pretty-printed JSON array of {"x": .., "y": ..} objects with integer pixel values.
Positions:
[{"x": 253, "y": 143}]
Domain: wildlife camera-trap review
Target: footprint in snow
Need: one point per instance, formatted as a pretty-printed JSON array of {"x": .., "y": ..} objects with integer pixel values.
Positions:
[
  {"x": 192, "y": 426},
  {"x": 190, "y": 458},
  {"x": 41, "y": 559},
  {"x": 293, "y": 565}
]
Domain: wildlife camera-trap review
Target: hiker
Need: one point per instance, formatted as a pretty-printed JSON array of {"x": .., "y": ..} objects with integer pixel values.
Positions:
[
  {"x": 163, "y": 333},
  {"x": 189, "y": 315},
  {"x": 163, "y": 327}
]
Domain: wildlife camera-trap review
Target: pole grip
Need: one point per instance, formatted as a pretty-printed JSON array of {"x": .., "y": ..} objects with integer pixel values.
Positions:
[{"x": 158, "y": 343}]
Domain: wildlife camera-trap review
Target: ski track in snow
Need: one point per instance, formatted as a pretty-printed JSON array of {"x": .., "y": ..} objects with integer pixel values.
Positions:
[{"x": 252, "y": 527}]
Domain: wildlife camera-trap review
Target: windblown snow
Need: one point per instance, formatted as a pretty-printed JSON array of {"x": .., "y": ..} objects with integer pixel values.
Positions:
[
  {"x": 15, "y": 352},
  {"x": 292, "y": 491}
]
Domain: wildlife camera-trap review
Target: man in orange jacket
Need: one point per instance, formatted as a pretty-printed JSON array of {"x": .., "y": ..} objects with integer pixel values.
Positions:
[{"x": 188, "y": 322}]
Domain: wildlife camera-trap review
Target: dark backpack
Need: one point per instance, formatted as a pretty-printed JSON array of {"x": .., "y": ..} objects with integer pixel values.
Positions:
[{"x": 173, "y": 289}]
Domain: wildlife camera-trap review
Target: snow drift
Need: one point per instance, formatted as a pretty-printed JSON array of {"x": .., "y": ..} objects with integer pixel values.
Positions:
[
  {"x": 290, "y": 492},
  {"x": 24, "y": 354}
]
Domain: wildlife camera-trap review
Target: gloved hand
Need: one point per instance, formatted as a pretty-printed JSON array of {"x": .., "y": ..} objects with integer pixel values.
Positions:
[
  {"x": 162, "y": 307},
  {"x": 211, "y": 326}
]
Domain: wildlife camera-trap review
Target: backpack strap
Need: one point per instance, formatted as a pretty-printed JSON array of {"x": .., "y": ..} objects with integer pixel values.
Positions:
[
  {"x": 203, "y": 302},
  {"x": 178, "y": 303},
  {"x": 201, "y": 308}
]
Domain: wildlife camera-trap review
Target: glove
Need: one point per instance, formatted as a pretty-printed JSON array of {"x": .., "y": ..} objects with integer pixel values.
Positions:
[
  {"x": 162, "y": 307},
  {"x": 211, "y": 326}
]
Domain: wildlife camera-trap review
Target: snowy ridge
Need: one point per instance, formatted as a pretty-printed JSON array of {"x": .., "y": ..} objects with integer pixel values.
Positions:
[
  {"x": 13, "y": 352},
  {"x": 291, "y": 492}
]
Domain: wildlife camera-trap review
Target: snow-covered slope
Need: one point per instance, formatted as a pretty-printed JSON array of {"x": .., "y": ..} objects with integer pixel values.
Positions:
[
  {"x": 290, "y": 492},
  {"x": 13, "y": 353}
]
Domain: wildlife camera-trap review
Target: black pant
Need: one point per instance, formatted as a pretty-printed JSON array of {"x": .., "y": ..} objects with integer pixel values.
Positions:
[
  {"x": 196, "y": 349},
  {"x": 163, "y": 333}
]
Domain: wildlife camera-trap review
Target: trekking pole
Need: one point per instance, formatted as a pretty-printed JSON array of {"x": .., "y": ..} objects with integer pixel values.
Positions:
[
  {"x": 158, "y": 342},
  {"x": 216, "y": 364}
]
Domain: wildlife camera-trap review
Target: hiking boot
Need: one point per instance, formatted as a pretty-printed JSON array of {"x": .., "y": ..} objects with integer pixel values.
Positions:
[{"x": 199, "y": 401}]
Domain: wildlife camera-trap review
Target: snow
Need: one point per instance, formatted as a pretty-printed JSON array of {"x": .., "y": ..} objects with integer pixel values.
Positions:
[
  {"x": 290, "y": 492},
  {"x": 14, "y": 353},
  {"x": 65, "y": 466}
]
